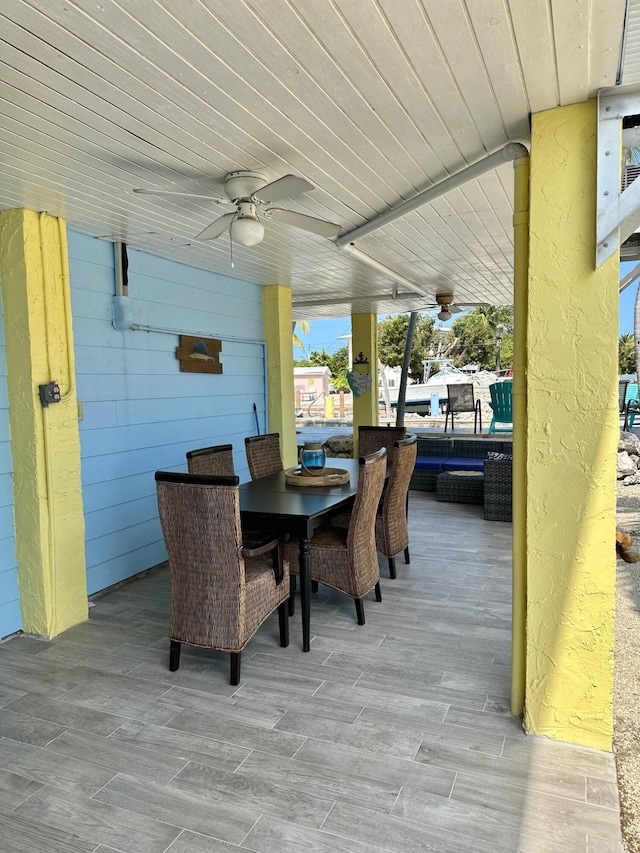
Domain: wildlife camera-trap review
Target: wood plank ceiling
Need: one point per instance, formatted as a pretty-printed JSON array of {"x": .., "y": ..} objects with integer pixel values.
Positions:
[{"x": 372, "y": 101}]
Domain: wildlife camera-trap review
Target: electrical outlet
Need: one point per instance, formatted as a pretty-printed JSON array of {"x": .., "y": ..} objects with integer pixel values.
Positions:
[
  {"x": 80, "y": 410},
  {"x": 49, "y": 393}
]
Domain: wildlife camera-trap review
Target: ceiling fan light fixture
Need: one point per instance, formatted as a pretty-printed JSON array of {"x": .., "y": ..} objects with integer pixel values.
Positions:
[
  {"x": 247, "y": 231},
  {"x": 444, "y": 314}
]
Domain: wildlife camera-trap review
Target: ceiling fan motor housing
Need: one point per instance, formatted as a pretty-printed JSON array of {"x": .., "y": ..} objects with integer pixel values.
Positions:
[
  {"x": 444, "y": 299},
  {"x": 242, "y": 185}
]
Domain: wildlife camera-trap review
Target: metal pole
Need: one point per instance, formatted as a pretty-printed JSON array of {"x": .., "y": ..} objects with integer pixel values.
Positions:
[
  {"x": 402, "y": 390},
  {"x": 521, "y": 288}
]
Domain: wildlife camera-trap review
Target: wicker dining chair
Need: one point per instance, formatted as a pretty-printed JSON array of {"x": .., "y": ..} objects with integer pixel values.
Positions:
[
  {"x": 460, "y": 399},
  {"x": 263, "y": 455},
  {"x": 372, "y": 438},
  {"x": 221, "y": 590},
  {"x": 216, "y": 461},
  {"x": 346, "y": 559},
  {"x": 392, "y": 530}
]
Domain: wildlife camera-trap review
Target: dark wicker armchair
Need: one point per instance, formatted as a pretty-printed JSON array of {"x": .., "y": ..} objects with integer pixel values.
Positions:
[
  {"x": 215, "y": 461},
  {"x": 346, "y": 559},
  {"x": 372, "y": 438},
  {"x": 392, "y": 530},
  {"x": 221, "y": 591},
  {"x": 263, "y": 455},
  {"x": 460, "y": 399}
]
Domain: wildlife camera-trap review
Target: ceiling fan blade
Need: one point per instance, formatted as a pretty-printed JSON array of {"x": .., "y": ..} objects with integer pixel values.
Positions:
[
  {"x": 453, "y": 309},
  {"x": 217, "y": 199},
  {"x": 285, "y": 187},
  {"x": 301, "y": 220},
  {"x": 217, "y": 228}
]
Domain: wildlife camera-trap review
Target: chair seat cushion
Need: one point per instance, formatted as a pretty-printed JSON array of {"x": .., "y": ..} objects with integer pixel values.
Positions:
[
  {"x": 430, "y": 463},
  {"x": 460, "y": 463}
]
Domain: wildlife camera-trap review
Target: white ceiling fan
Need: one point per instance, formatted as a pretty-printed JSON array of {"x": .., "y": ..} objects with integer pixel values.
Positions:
[
  {"x": 444, "y": 301},
  {"x": 252, "y": 194}
]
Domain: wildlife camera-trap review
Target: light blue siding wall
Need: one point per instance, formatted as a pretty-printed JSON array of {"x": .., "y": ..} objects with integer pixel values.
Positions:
[
  {"x": 140, "y": 413},
  {"x": 10, "y": 617}
]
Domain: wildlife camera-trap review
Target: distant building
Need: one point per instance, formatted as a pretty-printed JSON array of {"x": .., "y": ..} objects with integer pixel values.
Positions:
[{"x": 310, "y": 383}]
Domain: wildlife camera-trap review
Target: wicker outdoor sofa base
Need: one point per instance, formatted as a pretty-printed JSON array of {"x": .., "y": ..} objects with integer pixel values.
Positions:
[
  {"x": 436, "y": 455},
  {"x": 464, "y": 487}
]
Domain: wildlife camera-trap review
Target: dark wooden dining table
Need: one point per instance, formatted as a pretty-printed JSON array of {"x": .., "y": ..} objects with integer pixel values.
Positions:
[{"x": 298, "y": 510}]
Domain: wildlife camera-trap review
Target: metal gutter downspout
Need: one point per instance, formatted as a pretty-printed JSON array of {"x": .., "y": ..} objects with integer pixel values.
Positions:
[
  {"x": 511, "y": 151},
  {"x": 520, "y": 310}
]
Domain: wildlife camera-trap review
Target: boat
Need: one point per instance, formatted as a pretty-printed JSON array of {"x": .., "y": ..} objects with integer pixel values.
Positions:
[{"x": 427, "y": 398}]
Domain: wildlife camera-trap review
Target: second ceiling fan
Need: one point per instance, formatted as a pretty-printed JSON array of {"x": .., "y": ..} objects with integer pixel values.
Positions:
[
  {"x": 252, "y": 195},
  {"x": 444, "y": 301}
]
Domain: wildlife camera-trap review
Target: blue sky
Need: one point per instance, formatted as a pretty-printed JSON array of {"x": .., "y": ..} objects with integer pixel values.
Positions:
[
  {"x": 627, "y": 301},
  {"x": 326, "y": 333}
]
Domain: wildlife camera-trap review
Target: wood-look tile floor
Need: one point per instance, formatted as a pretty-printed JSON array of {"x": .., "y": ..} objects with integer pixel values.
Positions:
[{"x": 395, "y": 736}]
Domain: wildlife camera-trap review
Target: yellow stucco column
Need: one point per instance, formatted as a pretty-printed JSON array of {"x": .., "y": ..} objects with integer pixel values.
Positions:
[
  {"x": 45, "y": 444},
  {"x": 571, "y": 442},
  {"x": 278, "y": 333},
  {"x": 364, "y": 331}
]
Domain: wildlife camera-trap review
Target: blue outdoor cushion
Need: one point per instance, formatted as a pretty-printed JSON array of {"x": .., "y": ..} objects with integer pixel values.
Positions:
[
  {"x": 462, "y": 463},
  {"x": 430, "y": 463}
]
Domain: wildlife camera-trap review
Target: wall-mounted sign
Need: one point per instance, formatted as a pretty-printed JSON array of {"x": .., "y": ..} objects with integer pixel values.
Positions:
[
  {"x": 199, "y": 355},
  {"x": 359, "y": 379}
]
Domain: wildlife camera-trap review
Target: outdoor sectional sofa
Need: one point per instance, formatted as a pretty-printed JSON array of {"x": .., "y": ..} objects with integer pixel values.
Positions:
[{"x": 436, "y": 455}]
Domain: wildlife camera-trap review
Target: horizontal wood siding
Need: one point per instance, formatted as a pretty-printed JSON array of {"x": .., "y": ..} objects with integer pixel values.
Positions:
[
  {"x": 140, "y": 414},
  {"x": 10, "y": 617}
]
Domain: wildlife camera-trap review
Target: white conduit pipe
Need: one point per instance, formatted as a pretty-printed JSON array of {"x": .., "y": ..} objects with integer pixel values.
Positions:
[
  {"x": 382, "y": 268},
  {"x": 509, "y": 152}
]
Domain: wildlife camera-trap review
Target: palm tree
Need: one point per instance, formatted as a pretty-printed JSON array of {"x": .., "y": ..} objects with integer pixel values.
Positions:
[{"x": 304, "y": 329}]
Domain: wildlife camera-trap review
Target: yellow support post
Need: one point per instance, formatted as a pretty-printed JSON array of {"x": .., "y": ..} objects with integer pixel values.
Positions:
[
  {"x": 572, "y": 439},
  {"x": 278, "y": 333},
  {"x": 45, "y": 442},
  {"x": 364, "y": 330}
]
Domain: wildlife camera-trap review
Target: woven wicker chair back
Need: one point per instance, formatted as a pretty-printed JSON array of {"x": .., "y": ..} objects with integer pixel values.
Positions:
[
  {"x": 361, "y": 539},
  {"x": 211, "y": 460},
  {"x": 392, "y": 532},
  {"x": 372, "y": 438},
  {"x": 201, "y": 528},
  {"x": 263, "y": 455},
  {"x": 460, "y": 398}
]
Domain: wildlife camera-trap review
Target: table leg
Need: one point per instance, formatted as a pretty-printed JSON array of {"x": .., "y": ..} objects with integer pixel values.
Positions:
[{"x": 305, "y": 592}]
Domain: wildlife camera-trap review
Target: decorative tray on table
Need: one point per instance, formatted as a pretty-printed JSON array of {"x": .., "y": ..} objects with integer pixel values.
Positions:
[{"x": 329, "y": 477}]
